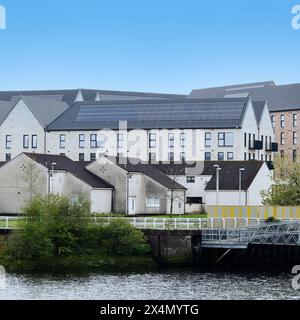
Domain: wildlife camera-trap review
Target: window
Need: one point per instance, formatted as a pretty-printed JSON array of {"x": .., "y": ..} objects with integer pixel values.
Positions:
[
  {"x": 262, "y": 157},
  {"x": 225, "y": 139},
  {"x": 171, "y": 156},
  {"x": 34, "y": 141},
  {"x": 207, "y": 156},
  {"x": 207, "y": 139},
  {"x": 282, "y": 153},
  {"x": 8, "y": 157},
  {"x": 153, "y": 202},
  {"x": 182, "y": 156},
  {"x": 81, "y": 140},
  {"x": 249, "y": 156},
  {"x": 294, "y": 119},
  {"x": 245, "y": 156},
  {"x": 245, "y": 140},
  {"x": 182, "y": 140},
  {"x": 93, "y": 141},
  {"x": 101, "y": 141},
  {"x": 273, "y": 121},
  {"x": 93, "y": 156},
  {"x": 171, "y": 140},
  {"x": 81, "y": 156},
  {"x": 8, "y": 142},
  {"x": 152, "y": 156},
  {"x": 294, "y": 155},
  {"x": 62, "y": 141},
  {"x": 229, "y": 155},
  {"x": 220, "y": 156},
  {"x": 282, "y": 121},
  {"x": 25, "y": 141},
  {"x": 120, "y": 138},
  {"x": 190, "y": 179},
  {"x": 194, "y": 200},
  {"x": 152, "y": 140},
  {"x": 294, "y": 137},
  {"x": 282, "y": 138}
]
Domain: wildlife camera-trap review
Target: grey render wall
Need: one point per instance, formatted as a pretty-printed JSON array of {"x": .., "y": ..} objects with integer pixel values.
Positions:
[
  {"x": 115, "y": 176},
  {"x": 14, "y": 191}
]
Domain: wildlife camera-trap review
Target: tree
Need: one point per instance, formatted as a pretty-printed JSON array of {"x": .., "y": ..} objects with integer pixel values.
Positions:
[
  {"x": 285, "y": 190},
  {"x": 31, "y": 176},
  {"x": 175, "y": 172}
]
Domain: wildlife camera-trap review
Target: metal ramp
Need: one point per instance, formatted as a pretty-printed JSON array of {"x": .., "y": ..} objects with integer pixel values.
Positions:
[{"x": 287, "y": 234}]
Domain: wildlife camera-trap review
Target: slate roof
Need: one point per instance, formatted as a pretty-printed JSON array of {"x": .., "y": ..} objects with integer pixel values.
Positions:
[
  {"x": 5, "y": 108},
  {"x": 279, "y": 97},
  {"x": 153, "y": 114},
  {"x": 69, "y": 96},
  {"x": 258, "y": 107},
  {"x": 77, "y": 169},
  {"x": 229, "y": 175},
  {"x": 136, "y": 165}
]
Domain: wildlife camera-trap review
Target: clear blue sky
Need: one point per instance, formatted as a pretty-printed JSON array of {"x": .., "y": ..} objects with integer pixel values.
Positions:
[{"x": 147, "y": 45}]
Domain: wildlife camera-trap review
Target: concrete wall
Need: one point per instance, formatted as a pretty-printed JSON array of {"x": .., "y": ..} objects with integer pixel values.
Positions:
[
  {"x": 20, "y": 122},
  {"x": 14, "y": 190},
  {"x": 101, "y": 201}
]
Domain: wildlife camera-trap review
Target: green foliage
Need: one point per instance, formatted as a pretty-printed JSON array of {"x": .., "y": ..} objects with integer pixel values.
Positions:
[
  {"x": 285, "y": 190},
  {"x": 55, "y": 229}
]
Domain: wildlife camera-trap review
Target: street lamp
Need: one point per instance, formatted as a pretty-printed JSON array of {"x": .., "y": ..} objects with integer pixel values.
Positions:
[
  {"x": 218, "y": 169},
  {"x": 241, "y": 170},
  {"x": 53, "y": 164}
]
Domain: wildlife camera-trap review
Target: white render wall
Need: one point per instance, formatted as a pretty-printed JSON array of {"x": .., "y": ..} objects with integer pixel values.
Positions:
[{"x": 20, "y": 122}]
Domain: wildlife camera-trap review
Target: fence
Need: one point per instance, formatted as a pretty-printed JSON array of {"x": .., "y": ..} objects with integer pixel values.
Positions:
[{"x": 253, "y": 212}]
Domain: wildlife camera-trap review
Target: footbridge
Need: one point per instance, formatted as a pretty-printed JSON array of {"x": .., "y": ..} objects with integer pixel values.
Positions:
[{"x": 279, "y": 233}]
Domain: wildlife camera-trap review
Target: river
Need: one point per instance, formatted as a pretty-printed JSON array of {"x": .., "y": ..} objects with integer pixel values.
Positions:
[{"x": 188, "y": 285}]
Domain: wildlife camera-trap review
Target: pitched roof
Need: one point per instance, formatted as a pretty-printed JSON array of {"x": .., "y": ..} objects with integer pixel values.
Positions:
[
  {"x": 136, "y": 165},
  {"x": 69, "y": 96},
  {"x": 279, "y": 97},
  {"x": 258, "y": 107},
  {"x": 77, "y": 169},
  {"x": 229, "y": 174},
  {"x": 45, "y": 110},
  {"x": 5, "y": 108},
  {"x": 153, "y": 114}
]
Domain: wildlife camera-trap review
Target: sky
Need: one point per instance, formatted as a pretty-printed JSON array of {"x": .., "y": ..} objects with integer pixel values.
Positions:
[{"x": 166, "y": 46}]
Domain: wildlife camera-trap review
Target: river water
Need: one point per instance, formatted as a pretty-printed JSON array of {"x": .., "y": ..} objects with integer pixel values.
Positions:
[{"x": 188, "y": 285}]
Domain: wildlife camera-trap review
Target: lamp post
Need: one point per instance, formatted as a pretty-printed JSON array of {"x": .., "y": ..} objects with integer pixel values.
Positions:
[
  {"x": 218, "y": 169},
  {"x": 241, "y": 170},
  {"x": 53, "y": 164}
]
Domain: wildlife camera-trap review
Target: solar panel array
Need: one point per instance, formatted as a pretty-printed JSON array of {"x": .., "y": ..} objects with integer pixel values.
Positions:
[{"x": 163, "y": 115}]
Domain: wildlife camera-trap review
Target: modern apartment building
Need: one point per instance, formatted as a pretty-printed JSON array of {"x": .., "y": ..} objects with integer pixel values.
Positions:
[{"x": 284, "y": 106}]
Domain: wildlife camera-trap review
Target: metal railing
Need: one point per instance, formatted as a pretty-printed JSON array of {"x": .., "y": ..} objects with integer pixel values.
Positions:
[{"x": 9, "y": 223}]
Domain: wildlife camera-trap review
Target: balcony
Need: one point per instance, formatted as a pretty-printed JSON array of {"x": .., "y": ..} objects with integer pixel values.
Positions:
[
  {"x": 256, "y": 145},
  {"x": 272, "y": 147}
]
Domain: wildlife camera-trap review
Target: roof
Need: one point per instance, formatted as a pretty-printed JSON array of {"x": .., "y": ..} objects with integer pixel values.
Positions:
[
  {"x": 258, "y": 107},
  {"x": 77, "y": 169},
  {"x": 5, "y": 108},
  {"x": 45, "y": 110},
  {"x": 69, "y": 96},
  {"x": 279, "y": 97},
  {"x": 135, "y": 165},
  {"x": 153, "y": 114},
  {"x": 229, "y": 175}
]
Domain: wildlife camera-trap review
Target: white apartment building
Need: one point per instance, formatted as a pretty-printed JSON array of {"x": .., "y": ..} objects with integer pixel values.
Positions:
[{"x": 164, "y": 130}]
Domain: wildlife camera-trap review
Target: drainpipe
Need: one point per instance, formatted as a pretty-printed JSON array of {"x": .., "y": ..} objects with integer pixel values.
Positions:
[{"x": 127, "y": 193}]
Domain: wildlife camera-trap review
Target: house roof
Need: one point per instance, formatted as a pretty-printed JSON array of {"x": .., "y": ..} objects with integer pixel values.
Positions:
[
  {"x": 279, "y": 97},
  {"x": 69, "y": 96},
  {"x": 153, "y": 114},
  {"x": 136, "y": 165},
  {"x": 5, "y": 108},
  {"x": 258, "y": 107},
  {"x": 77, "y": 169},
  {"x": 229, "y": 174}
]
